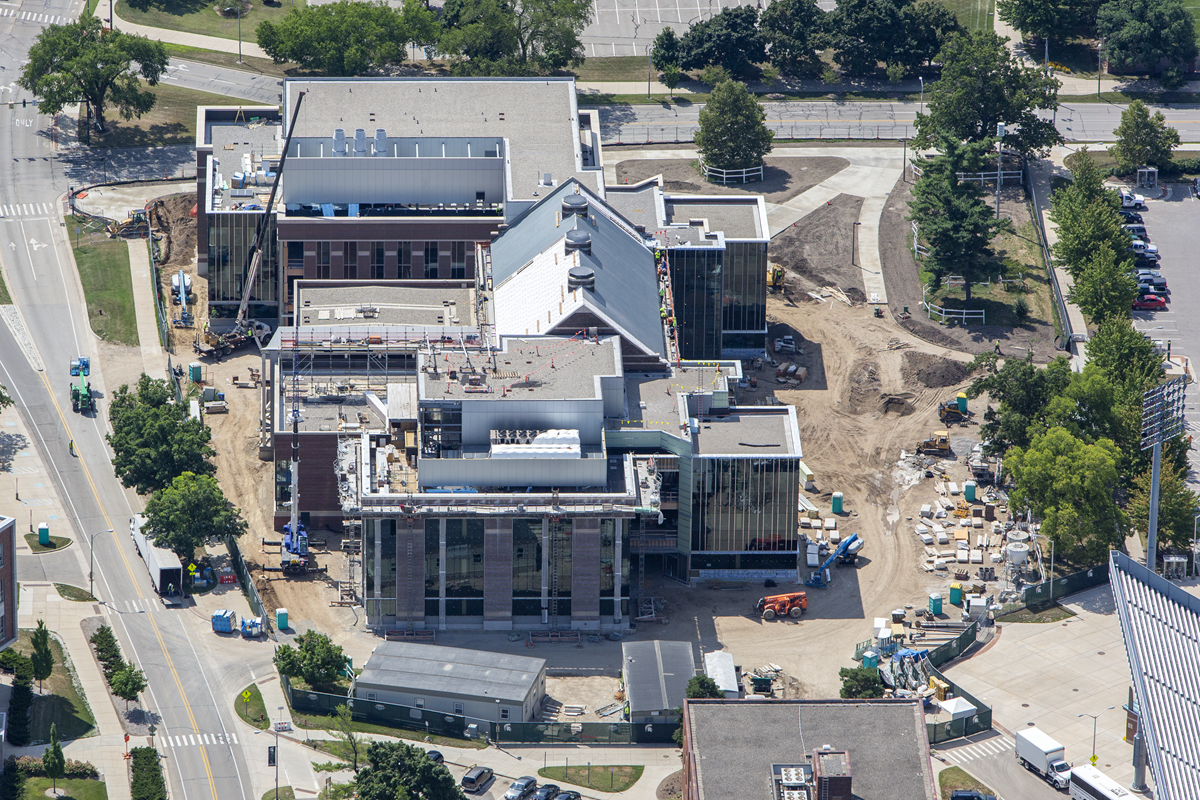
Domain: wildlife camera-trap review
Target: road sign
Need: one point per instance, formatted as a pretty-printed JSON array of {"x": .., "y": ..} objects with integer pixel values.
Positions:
[
  {"x": 1095, "y": 758},
  {"x": 246, "y": 695},
  {"x": 192, "y": 568},
  {"x": 127, "y": 737}
]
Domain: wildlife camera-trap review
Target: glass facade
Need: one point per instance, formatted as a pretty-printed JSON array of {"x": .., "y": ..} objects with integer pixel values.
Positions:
[
  {"x": 527, "y": 567},
  {"x": 431, "y": 259},
  {"x": 323, "y": 260},
  {"x": 464, "y": 567},
  {"x": 387, "y": 566},
  {"x": 377, "y": 260},
  {"x": 458, "y": 260},
  {"x": 745, "y": 287},
  {"x": 350, "y": 259},
  {"x": 404, "y": 260},
  {"x": 744, "y": 509},
  {"x": 560, "y": 551},
  {"x": 696, "y": 284},
  {"x": 230, "y": 236}
]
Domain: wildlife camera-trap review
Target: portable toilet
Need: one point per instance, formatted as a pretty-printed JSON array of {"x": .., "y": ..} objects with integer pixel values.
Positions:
[
  {"x": 870, "y": 659},
  {"x": 195, "y": 372},
  {"x": 44, "y": 534},
  {"x": 962, "y": 402},
  {"x": 969, "y": 491},
  {"x": 935, "y": 603},
  {"x": 956, "y": 594},
  {"x": 837, "y": 502},
  {"x": 281, "y": 619}
]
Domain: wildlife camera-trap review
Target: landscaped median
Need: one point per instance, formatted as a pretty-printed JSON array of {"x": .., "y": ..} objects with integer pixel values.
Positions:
[
  {"x": 598, "y": 777},
  {"x": 107, "y": 284}
]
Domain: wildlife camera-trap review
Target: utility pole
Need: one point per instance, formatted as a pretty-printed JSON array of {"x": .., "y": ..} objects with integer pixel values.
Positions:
[
  {"x": 1162, "y": 420},
  {"x": 239, "y": 31},
  {"x": 1099, "y": 65},
  {"x": 999, "y": 162}
]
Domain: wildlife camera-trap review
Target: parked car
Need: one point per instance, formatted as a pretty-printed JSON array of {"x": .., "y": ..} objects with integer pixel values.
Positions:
[
  {"x": 970, "y": 794},
  {"x": 436, "y": 756},
  {"x": 1149, "y": 302},
  {"x": 1138, "y": 231},
  {"x": 1144, "y": 249},
  {"x": 521, "y": 788},
  {"x": 1152, "y": 280},
  {"x": 568, "y": 796},
  {"x": 476, "y": 779},
  {"x": 1157, "y": 291},
  {"x": 547, "y": 791},
  {"x": 1131, "y": 200},
  {"x": 1130, "y": 216}
]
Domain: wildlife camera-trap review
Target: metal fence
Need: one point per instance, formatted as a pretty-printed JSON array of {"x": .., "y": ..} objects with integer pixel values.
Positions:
[
  {"x": 670, "y": 134},
  {"x": 247, "y": 582},
  {"x": 961, "y": 315},
  {"x": 1068, "y": 584},
  {"x": 1060, "y": 301},
  {"x": 160, "y": 311},
  {"x": 944, "y": 731},
  {"x": 954, "y": 648}
]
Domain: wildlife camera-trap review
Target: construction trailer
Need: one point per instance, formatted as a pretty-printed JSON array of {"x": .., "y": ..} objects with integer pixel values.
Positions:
[{"x": 166, "y": 571}]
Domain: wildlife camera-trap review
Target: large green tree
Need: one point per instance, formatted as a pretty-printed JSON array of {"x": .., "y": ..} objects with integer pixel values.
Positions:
[
  {"x": 339, "y": 39},
  {"x": 864, "y": 33},
  {"x": 1085, "y": 212},
  {"x": 665, "y": 50},
  {"x": 700, "y": 686},
  {"x": 5, "y": 400},
  {"x": 730, "y": 39},
  {"x": 315, "y": 659},
  {"x": 1176, "y": 507},
  {"x": 793, "y": 33},
  {"x": 926, "y": 26},
  {"x": 189, "y": 512},
  {"x": 153, "y": 439},
  {"x": 1143, "y": 139},
  {"x": 515, "y": 36},
  {"x": 1126, "y": 354},
  {"x": 1105, "y": 289},
  {"x": 128, "y": 683},
  {"x": 1071, "y": 487},
  {"x": 398, "y": 770},
  {"x": 481, "y": 35},
  {"x": 81, "y": 62},
  {"x": 1022, "y": 391},
  {"x": 1147, "y": 34},
  {"x": 953, "y": 218},
  {"x": 983, "y": 84},
  {"x": 1040, "y": 19},
  {"x": 860, "y": 682},
  {"x": 733, "y": 133}
]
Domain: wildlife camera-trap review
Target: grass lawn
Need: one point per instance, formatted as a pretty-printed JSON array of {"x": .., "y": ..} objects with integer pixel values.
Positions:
[
  {"x": 320, "y": 722},
  {"x": 613, "y": 68},
  {"x": 263, "y": 66},
  {"x": 597, "y": 777},
  {"x": 171, "y": 121},
  {"x": 253, "y": 711},
  {"x": 75, "y": 788},
  {"x": 56, "y": 543},
  {"x": 285, "y": 793},
  {"x": 196, "y": 16},
  {"x": 1099, "y": 154},
  {"x": 954, "y": 778},
  {"x": 60, "y": 702},
  {"x": 973, "y": 14},
  {"x": 107, "y": 285},
  {"x": 1047, "y": 612},
  {"x": 69, "y": 592},
  {"x": 5, "y": 299}
]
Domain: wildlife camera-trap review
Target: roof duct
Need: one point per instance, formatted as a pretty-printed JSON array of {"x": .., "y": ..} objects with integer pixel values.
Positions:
[
  {"x": 381, "y": 142},
  {"x": 339, "y": 142},
  {"x": 581, "y": 278},
  {"x": 579, "y": 240},
  {"x": 574, "y": 204},
  {"x": 360, "y": 143}
]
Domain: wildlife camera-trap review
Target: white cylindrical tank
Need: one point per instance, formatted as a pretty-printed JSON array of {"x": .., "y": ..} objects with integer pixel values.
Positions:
[
  {"x": 339, "y": 142},
  {"x": 1018, "y": 553},
  {"x": 1018, "y": 536}
]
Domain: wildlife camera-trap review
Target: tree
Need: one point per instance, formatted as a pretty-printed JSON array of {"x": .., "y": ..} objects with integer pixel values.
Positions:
[
  {"x": 733, "y": 132},
  {"x": 730, "y": 39},
  {"x": 153, "y": 439},
  {"x": 1037, "y": 18},
  {"x": 1023, "y": 392},
  {"x": 1105, "y": 289},
  {"x": 315, "y": 659},
  {"x": 665, "y": 50},
  {"x": 343, "y": 731},
  {"x": 396, "y": 769},
  {"x": 53, "y": 761},
  {"x": 1147, "y": 34},
  {"x": 714, "y": 75},
  {"x": 531, "y": 34},
  {"x": 671, "y": 77},
  {"x": 42, "y": 657},
  {"x": 864, "y": 33},
  {"x": 982, "y": 85},
  {"x": 1085, "y": 212},
  {"x": 1126, "y": 354},
  {"x": 128, "y": 683},
  {"x": 339, "y": 39},
  {"x": 481, "y": 31},
  {"x": 420, "y": 24},
  {"x": 793, "y": 33},
  {"x": 703, "y": 686},
  {"x": 1070, "y": 486},
  {"x": 1143, "y": 140},
  {"x": 5, "y": 400},
  {"x": 926, "y": 26},
  {"x": 1176, "y": 507},
  {"x": 954, "y": 219},
  {"x": 19, "y": 702},
  {"x": 861, "y": 682},
  {"x": 82, "y": 63},
  {"x": 189, "y": 512}
]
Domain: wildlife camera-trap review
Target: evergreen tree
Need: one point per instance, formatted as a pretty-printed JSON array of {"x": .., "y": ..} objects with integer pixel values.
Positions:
[
  {"x": 53, "y": 761},
  {"x": 42, "y": 658}
]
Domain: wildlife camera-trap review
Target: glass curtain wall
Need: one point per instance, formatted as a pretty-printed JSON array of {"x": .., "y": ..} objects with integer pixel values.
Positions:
[
  {"x": 560, "y": 563},
  {"x": 464, "y": 567},
  {"x": 230, "y": 236},
  {"x": 696, "y": 285},
  {"x": 744, "y": 513},
  {"x": 610, "y": 529},
  {"x": 527, "y": 567}
]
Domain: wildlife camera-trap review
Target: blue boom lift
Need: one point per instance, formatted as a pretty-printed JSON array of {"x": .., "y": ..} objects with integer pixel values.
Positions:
[{"x": 817, "y": 579}]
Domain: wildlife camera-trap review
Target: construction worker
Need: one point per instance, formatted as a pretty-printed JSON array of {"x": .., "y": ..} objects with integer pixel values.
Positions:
[
  {"x": 662, "y": 312},
  {"x": 71, "y": 445}
]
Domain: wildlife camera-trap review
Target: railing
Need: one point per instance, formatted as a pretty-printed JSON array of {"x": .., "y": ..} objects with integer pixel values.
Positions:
[
  {"x": 661, "y": 134},
  {"x": 1060, "y": 301},
  {"x": 727, "y": 176},
  {"x": 247, "y": 582},
  {"x": 961, "y": 315},
  {"x": 947, "y": 730}
]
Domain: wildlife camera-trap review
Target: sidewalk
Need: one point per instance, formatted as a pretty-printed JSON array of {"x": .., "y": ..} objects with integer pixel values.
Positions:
[
  {"x": 249, "y": 48},
  {"x": 154, "y": 360}
]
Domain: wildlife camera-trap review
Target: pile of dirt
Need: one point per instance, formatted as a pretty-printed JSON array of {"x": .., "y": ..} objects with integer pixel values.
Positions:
[
  {"x": 819, "y": 248},
  {"x": 931, "y": 371},
  {"x": 180, "y": 230},
  {"x": 863, "y": 388},
  {"x": 671, "y": 787},
  {"x": 901, "y": 404}
]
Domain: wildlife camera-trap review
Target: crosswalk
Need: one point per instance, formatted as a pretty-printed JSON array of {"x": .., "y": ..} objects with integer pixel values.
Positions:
[
  {"x": 138, "y": 606},
  {"x": 985, "y": 748},
  {"x": 199, "y": 739},
  {"x": 29, "y": 16},
  {"x": 23, "y": 210}
]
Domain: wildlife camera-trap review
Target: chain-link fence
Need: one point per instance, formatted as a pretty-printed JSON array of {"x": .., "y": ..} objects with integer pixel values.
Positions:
[
  {"x": 670, "y": 134},
  {"x": 247, "y": 582}
]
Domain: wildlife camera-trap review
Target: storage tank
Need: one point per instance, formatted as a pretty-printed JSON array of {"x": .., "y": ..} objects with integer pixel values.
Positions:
[
  {"x": 1018, "y": 536},
  {"x": 1018, "y": 553}
]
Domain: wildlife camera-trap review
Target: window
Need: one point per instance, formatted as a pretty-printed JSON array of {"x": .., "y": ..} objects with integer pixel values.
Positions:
[
  {"x": 1, "y": 556},
  {"x": 419, "y": 702},
  {"x": 458, "y": 708},
  {"x": 295, "y": 255},
  {"x": 404, "y": 260},
  {"x": 370, "y": 695},
  {"x": 377, "y": 260},
  {"x": 431, "y": 259},
  {"x": 323, "y": 260},
  {"x": 458, "y": 260},
  {"x": 350, "y": 258},
  {"x": 504, "y": 713}
]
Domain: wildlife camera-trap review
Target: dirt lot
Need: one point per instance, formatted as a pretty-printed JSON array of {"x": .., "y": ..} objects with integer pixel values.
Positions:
[
  {"x": 783, "y": 178},
  {"x": 593, "y": 692},
  {"x": 177, "y": 227},
  {"x": 819, "y": 250}
]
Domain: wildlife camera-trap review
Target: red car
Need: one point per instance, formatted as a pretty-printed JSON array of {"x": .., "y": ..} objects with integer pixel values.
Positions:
[{"x": 1149, "y": 302}]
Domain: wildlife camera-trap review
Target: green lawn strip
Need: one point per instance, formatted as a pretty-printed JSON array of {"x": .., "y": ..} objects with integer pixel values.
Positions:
[
  {"x": 194, "y": 16},
  {"x": 263, "y": 66},
  {"x": 612, "y": 68},
  {"x": 285, "y": 793},
  {"x": 319, "y": 722},
  {"x": 5, "y": 298},
  {"x": 56, "y": 543},
  {"x": 73, "y": 593},
  {"x": 171, "y": 121},
  {"x": 337, "y": 749},
  {"x": 1149, "y": 98},
  {"x": 69, "y": 788},
  {"x": 973, "y": 14},
  {"x": 598, "y": 777},
  {"x": 953, "y": 778},
  {"x": 254, "y": 711},
  {"x": 107, "y": 284},
  {"x": 1046, "y": 612},
  {"x": 60, "y": 701}
]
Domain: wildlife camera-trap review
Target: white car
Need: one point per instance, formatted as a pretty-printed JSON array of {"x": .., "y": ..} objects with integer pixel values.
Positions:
[{"x": 1131, "y": 200}]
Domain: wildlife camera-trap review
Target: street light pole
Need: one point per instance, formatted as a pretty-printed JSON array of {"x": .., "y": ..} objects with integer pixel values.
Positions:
[
  {"x": 92, "y": 558},
  {"x": 1195, "y": 519},
  {"x": 240, "y": 61},
  {"x": 1051, "y": 569},
  {"x": 1094, "y": 718},
  {"x": 277, "y": 754},
  {"x": 921, "y": 78}
]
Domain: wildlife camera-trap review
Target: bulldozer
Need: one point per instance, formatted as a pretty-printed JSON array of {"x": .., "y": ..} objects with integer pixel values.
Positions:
[
  {"x": 937, "y": 444},
  {"x": 949, "y": 413},
  {"x": 774, "y": 278},
  {"x": 782, "y": 605}
]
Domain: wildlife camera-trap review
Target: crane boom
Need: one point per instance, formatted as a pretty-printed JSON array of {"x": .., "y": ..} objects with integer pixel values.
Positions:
[{"x": 254, "y": 257}]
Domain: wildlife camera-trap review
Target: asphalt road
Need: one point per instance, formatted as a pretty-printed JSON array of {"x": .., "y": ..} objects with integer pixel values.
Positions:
[
  {"x": 40, "y": 277},
  {"x": 990, "y": 758}
]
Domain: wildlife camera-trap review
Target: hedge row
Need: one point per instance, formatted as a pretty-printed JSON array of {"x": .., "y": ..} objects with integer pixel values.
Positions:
[
  {"x": 18, "y": 770},
  {"x": 108, "y": 651},
  {"x": 146, "y": 782}
]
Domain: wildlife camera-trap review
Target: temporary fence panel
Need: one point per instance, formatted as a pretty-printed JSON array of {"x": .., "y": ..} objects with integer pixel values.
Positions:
[
  {"x": 247, "y": 582},
  {"x": 1066, "y": 585},
  {"x": 978, "y": 722}
]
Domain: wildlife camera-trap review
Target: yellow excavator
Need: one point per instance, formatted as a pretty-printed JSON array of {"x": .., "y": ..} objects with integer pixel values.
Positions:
[{"x": 774, "y": 278}]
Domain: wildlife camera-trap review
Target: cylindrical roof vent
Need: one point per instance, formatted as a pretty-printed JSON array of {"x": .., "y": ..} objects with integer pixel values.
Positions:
[
  {"x": 581, "y": 278},
  {"x": 360, "y": 142},
  {"x": 339, "y": 142},
  {"x": 579, "y": 240},
  {"x": 574, "y": 204},
  {"x": 380, "y": 142}
]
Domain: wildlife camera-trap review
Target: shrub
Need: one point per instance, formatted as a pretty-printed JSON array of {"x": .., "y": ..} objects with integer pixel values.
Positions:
[
  {"x": 108, "y": 651},
  {"x": 895, "y": 73},
  {"x": 32, "y": 767},
  {"x": 12, "y": 782},
  {"x": 829, "y": 74},
  {"x": 1021, "y": 309},
  {"x": 19, "y": 702},
  {"x": 146, "y": 781}
]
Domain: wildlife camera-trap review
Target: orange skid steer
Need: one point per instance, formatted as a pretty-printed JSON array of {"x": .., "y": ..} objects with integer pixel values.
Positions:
[{"x": 782, "y": 605}]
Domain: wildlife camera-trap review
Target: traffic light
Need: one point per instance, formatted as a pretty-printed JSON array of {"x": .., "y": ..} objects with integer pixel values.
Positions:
[
  {"x": 271, "y": 755},
  {"x": 25, "y": 103}
]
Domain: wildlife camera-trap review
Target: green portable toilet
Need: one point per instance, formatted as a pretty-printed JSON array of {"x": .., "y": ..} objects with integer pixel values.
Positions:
[
  {"x": 870, "y": 659},
  {"x": 962, "y": 402},
  {"x": 837, "y": 502},
  {"x": 195, "y": 372},
  {"x": 956, "y": 594},
  {"x": 935, "y": 603},
  {"x": 969, "y": 491},
  {"x": 44, "y": 534},
  {"x": 281, "y": 619}
]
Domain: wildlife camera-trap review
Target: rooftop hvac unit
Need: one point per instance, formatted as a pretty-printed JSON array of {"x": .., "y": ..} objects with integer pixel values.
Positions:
[
  {"x": 581, "y": 277},
  {"x": 339, "y": 142},
  {"x": 574, "y": 204},
  {"x": 360, "y": 143},
  {"x": 381, "y": 142},
  {"x": 579, "y": 240}
]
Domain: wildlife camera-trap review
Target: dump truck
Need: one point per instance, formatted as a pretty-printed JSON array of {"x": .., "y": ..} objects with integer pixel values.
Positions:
[
  {"x": 937, "y": 444},
  {"x": 782, "y": 605},
  {"x": 1039, "y": 753}
]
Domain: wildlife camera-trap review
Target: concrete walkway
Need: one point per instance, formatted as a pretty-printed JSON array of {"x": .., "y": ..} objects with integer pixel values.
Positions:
[
  {"x": 221, "y": 45},
  {"x": 154, "y": 359}
]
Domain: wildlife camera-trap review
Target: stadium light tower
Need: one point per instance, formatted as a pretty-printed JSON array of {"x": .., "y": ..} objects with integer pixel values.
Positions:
[{"x": 1162, "y": 420}]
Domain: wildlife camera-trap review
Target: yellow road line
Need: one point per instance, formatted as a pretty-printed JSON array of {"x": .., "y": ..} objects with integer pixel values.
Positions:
[{"x": 137, "y": 587}]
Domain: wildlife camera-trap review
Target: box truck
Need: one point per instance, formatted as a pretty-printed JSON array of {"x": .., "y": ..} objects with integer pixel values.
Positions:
[{"x": 1039, "y": 753}]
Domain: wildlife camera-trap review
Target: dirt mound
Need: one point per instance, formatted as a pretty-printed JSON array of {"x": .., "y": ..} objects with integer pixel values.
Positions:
[
  {"x": 901, "y": 404},
  {"x": 931, "y": 371},
  {"x": 181, "y": 228},
  {"x": 863, "y": 388},
  {"x": 671, "y": 787}
]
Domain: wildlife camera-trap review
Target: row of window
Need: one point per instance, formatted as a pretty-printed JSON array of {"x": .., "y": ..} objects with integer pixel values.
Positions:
[{"x": 374, "y": 265}]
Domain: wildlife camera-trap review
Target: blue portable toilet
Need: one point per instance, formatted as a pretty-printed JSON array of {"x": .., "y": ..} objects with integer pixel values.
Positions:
[
  {"x": 837, "y": 502},
  {"x": 870, "y": 659},
  {"x": 935, "y": 603},
  {"x": 281, "y": 621}
]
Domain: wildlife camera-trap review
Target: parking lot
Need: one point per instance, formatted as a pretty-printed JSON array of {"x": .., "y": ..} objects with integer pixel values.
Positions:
[{"x": 1171, "y": 221}]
